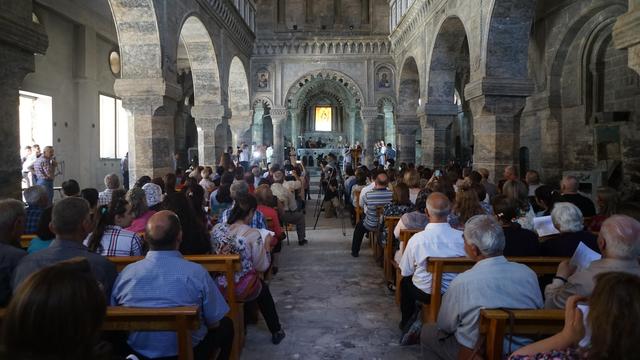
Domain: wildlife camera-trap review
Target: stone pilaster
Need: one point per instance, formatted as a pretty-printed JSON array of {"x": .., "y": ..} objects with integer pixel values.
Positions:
[
  {"x": 257, "y": 128},
  {"x": 239, "y": 123},
  {"x": 207, "y": 118},
  {"x": 151, "y": 106},
  {"x": 406, "y": 146},
  {"x": 495, "y": 103},
  {"x": 20, "y": 39},
  {"x": 351, "y": 125},
  {"x": 295, "y": 126},
  {"x": 369, "y": 116},
  {"x": 626, "y": 34},
  {"x": 389, "y": 125},
  {"x": 434, "y": 120},
  {"x": 278, "y": 117}
]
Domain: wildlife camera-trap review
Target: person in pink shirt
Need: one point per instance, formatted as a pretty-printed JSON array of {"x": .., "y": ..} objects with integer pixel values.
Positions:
[{"x": 140, "y": 209}]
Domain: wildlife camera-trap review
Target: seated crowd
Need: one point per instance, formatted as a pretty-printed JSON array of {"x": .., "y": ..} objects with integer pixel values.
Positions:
[
  {"x": 458, "y": 213},
  {"x": 241, "y": 211},
  {"x": 161, "y": 219}
]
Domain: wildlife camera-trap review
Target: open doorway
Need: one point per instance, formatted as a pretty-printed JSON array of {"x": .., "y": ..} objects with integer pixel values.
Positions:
[{"x": 36, "y": 128}]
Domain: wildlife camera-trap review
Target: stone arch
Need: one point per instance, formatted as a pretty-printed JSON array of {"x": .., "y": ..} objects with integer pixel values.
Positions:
[
  {"x": 138, "y": 37},
  {"x": 239, "y": 100},
  {"x": 507, "y": 39},
  {"x": 449, "y": 72},
  {"x": 205, "y": 81},
  {"x": 409, "y": 87},
  {"x": 349, "y": 85},
  {"x": 386, "y": 107}
]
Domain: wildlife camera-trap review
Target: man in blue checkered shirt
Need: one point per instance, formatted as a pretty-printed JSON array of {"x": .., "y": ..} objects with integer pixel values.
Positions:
[
  {"x": 241, "y": 187},
  {"x": 38, "y": 200}
]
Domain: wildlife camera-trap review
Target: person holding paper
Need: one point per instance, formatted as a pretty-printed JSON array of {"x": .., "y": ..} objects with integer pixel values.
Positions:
[
  {"x": 620, "y": 247},
  {"x": 567, "y": 218},
  {"x": 609, "y": 330}
]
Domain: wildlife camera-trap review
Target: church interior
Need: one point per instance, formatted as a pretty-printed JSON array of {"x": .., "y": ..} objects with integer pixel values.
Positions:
[{"x": 360, "y": 179}]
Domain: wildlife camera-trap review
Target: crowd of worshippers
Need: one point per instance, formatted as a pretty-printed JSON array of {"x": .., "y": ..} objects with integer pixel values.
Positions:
[
  {"x": 205, "y": 212},
  {"x": 462, "y": 214}
]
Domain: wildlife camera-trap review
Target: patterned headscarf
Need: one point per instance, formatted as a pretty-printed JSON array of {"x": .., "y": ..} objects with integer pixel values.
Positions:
[{"x": 153, "y": 193}]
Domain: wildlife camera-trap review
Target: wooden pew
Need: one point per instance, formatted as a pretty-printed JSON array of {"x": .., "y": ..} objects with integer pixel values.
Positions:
[
  {"x": 390, "y": 223},
  {"x": 438, "y": 266},
  {"x": 25, "y": 240},
  {"x": 227, "y": 264},
  {"x": 494, "y": 324},
  {"x": 182, "y": 320},
  {"x": 405, "y": 236}
]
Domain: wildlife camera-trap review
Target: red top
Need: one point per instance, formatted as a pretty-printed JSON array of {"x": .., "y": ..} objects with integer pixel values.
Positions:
[{"x": 270, "y": 212}]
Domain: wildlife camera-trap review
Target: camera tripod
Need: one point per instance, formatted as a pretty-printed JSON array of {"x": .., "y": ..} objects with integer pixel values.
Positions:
[{"x": 320, "y": 201}]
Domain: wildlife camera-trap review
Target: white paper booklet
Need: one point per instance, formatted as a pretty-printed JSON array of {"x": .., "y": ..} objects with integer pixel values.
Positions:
[
  {"x": 544, "y": 226},
  {"x": 584, "y": 256}
]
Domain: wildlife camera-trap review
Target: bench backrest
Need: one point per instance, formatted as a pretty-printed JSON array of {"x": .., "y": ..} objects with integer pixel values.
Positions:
[
  {"x": 25, "y": 240},
  {"x": 438, "y": 266},
  {"x": 182, "y": 320},
  {"x": 406, "y": 234},
  {"x": 495, "y": 323}
]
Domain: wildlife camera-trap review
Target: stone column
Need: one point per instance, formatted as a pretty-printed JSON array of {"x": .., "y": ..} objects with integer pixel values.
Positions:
[
  {"x": 389, "y": 125},
  {"x": 239, "y": 124},
  {"x": 258, "y": 126},
  {"x": 495, "y": 103},
  {"x": 406, "y": 146},
  {"x": 20, "y": 39},
  {"x": 151, "y": 105},
  {"x": 627, "y": 36},
  {"x": 295, "y": 126},
  {"x": 278, "y": 117},
  {"x": 351, "y": 125},
  {"x": 434, "y": 120},
  {"x": 207, "y": 118},
  {"x": 369, "y": 116}
]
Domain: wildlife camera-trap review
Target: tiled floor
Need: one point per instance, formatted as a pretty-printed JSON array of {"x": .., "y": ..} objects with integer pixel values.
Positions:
[{"x": 331, "y": 305}]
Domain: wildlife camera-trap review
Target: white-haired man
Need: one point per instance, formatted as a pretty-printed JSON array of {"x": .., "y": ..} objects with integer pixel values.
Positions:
[
  {"x": 620, "y": 247},
  {"x": 438, "y": 239},
  {"x": 494, "y": 283},
  {"x": 569, "y": 190},
  {"x": 112, "y": 182}
]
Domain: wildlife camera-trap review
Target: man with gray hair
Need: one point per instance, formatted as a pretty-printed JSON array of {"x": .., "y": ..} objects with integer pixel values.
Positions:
[
  {"x": 619, "y": 244},
  {"x": 112, "y": 182},
  {"x": 494, "y": 283},
  {"x": 290, "y": 214},
  {"x": 568, "y": 219},
  {"x": 438, "y": 239},
  {"x": 38, "y": 200},
  {"x": 240, "y": 187},
  {"x": 569, "y": 190},
  {"x": 12, "y": 218},
  {"x": 71, "y": 223}
]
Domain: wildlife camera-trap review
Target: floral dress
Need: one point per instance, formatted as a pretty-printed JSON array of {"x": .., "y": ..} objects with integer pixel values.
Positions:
[
  {"x": 392, "y": 210},
  {"x": 567, "y": 354}
]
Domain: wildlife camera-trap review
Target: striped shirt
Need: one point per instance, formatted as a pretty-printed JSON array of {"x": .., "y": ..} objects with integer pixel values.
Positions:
[
  {"x": 117, "y": 241},
  {"x": 42, "y": 168},
  {"x": 373, "y": 199},
  {"x": 257, "y": 222}
]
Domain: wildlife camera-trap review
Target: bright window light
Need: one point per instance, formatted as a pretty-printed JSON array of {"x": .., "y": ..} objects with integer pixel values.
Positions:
[
  {"x": 114, "y": 131},
  {"x": 323, "y": 118},
  {"x": 36, "y": 119}
]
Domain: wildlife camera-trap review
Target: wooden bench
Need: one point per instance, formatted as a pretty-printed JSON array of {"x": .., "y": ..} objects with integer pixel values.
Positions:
[
  {"x": 182, "y": 320},
  {"x": 494, "y": 324},
  {"x": 227, "y": 264},
  {"x": 405, "y": 236},
  {"x": 390, "y": 223},
  {"x": 25, "y": 240},
  {"x": 438, "y": 266}
]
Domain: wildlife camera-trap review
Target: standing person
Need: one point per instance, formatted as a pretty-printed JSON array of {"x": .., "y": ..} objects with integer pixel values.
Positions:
[
  {"x": 243, "y": 156},
  {"x": 124, "y": 169},
  {"x": 164, "y": 278},
  {"x": 45, "y": 170},
  {"x": 269, "y": 153},
  {"x": 347, "y": 158},
  {"x": 389, "y": 153},
  {"x": 27, "y": 162}
]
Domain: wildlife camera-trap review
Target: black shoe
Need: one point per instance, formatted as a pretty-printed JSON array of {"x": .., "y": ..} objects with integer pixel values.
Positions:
[
  {"x": 277, "y": 337},
  {"x": 303, "y": 242},
  {"x": 354, "y": 254},
  {"x": 274, "y": 270}
]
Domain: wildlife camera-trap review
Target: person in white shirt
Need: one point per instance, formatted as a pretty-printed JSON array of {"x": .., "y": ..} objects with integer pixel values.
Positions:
[
  {"x": 366, "y": 189},
  {"x": 438, "y": 239}
]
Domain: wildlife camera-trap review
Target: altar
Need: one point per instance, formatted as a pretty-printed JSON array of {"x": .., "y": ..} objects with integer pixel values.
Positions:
[{"x": 310, "y": 156}]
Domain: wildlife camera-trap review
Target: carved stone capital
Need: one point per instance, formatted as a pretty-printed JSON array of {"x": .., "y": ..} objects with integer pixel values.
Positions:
[
  {"x": 278, "y": 115},
  {"x": 155, "y": 87},
  {"x": 369, "y": 113},
  {"x": 498, "y": 87},
  {"x": 440, "y": 109},
  {"x": 208, "y": 111},
  {"x": 28, "y": 37}
]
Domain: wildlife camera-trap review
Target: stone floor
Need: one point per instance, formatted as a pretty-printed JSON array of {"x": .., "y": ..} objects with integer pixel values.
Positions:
[{"x": 332, "y": 306}]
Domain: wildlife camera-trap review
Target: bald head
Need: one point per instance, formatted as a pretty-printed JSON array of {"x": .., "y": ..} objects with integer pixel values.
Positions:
[
  {"x": 569, "y": 185},
  {"x": 619, "y": 239},
  {"x": 163, "y": 231},
  {"x": 438, "y": 207}
]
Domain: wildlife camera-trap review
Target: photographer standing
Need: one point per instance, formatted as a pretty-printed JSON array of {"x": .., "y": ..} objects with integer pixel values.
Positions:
[{"x": 45, "y": 170}]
